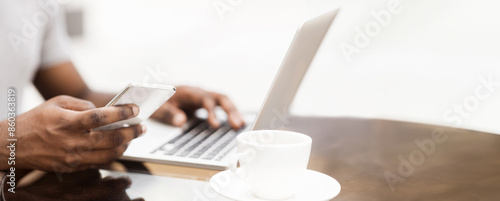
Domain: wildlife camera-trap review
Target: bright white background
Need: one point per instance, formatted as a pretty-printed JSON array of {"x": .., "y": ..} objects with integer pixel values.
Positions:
[{"x": 426, "y": 60}]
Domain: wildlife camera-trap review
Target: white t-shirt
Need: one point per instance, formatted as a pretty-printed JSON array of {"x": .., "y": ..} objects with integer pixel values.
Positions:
[{"x": 32, "y": 36}]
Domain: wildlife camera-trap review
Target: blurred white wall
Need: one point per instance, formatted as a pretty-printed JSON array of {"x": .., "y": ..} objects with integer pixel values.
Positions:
[{"x": 417, "y": 68}]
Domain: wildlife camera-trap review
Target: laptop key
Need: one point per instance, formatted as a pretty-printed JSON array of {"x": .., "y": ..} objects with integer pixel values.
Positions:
[
  {"x": 225, "y": 153},
  {"x": 188, "y": 137},
  {"x": 200, "y": 152},
  {"x": 187, "y": 151},
  {"x": 167, "y": 146},
  {"x": 195, "y": 155},
  {"x": 216, "y": 151},
  {"x": 195, "y": 124}
]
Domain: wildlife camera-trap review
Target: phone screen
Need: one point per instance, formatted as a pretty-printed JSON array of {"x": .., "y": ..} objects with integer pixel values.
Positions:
[{"x": 149, "y": 97}]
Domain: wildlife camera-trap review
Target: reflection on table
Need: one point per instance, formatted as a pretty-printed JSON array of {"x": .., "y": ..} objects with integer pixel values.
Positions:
[{"x": 79, "y": 186}]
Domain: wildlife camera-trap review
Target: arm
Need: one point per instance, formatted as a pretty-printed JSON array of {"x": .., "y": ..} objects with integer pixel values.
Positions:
[
  {"x": 58, "y": 135},
  {"x": 63, "y": 79}
]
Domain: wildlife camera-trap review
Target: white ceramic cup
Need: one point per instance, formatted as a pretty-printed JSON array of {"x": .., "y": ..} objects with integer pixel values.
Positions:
[{"x": 272, "y": 162}]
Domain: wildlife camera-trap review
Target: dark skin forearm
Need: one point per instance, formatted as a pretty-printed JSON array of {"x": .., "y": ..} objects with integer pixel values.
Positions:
[
  {"x": 63, "y": 79},
  {"x": 4, "y": 153},
  {"x": 53, "y": 132},
  {"x": 59, "y": 135},
  {"x": 68, "y": 82}
]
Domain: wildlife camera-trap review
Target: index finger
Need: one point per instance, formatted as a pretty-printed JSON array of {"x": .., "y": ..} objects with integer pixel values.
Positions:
[
  {"x": 235, "y": 118},
  {"x": 98, "y": 117}
]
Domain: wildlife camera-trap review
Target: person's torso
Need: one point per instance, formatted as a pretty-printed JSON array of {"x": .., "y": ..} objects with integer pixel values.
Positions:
[{"x": 22, "y": 27}]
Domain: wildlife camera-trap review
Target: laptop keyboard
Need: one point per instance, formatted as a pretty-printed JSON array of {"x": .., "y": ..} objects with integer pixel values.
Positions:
[{"x": 199, "y": 140}]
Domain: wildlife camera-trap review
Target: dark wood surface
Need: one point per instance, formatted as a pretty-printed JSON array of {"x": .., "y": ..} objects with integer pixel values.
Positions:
[
  {"x": 364, "y": 156},
  {"x": 360, "y": 153}
]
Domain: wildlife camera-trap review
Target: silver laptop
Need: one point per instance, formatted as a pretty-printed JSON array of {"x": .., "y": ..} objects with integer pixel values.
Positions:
[{"x": 198, "y": 145}]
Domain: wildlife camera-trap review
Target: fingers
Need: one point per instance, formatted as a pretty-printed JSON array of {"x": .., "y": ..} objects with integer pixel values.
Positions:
[
  {"x": 209, "y": 103},
  {"x": 170, "y": 114},
  {"x": 71, "y": 103},
  {"x": 235, "y": 118},
  {"x": 114, "y": 138},
  {"x": 102, "y": 147},
  {"x": 102, "y": 156},
  {"x": 106, "y": 115},
  {"x": 191, "y": 98}
]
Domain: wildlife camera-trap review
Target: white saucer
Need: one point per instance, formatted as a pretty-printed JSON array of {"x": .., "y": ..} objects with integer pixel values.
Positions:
[{"x": 316, "y": 187}]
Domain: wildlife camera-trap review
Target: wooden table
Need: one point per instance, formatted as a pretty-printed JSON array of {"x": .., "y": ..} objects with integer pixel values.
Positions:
[
  {"x": 386, "y": 160},
  {"x": 364, "y": 155}
]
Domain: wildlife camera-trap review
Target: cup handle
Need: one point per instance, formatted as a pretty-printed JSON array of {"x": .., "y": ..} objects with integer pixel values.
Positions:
[{"x": 233, "y": 164}]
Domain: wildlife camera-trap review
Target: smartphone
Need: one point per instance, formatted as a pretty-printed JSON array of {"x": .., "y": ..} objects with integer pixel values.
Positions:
[{"x": 149, "y": 97}]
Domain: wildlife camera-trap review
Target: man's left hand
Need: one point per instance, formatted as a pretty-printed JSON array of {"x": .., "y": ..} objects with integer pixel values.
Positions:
[{"x": 188, "y": 99}]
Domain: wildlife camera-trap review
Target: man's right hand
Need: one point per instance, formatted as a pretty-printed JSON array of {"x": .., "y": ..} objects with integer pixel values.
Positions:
[{"x": 57, "y": 135}]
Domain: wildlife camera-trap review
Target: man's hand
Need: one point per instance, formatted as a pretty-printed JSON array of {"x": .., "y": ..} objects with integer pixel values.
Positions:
[
  {"x": 58, "y": 136},
  {"x": 189, "y": 99}
]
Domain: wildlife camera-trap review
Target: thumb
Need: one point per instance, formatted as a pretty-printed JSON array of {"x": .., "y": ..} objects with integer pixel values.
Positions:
[{"x": 170, "y": 114}]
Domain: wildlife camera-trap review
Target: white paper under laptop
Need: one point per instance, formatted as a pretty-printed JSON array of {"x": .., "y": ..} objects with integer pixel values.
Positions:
[{"x": 199, "y": 145}]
